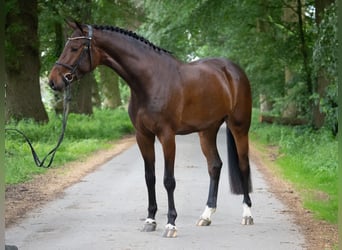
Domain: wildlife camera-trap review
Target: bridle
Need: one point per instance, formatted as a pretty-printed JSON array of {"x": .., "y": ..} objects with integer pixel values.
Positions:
[{"x": 70, "y": 76}]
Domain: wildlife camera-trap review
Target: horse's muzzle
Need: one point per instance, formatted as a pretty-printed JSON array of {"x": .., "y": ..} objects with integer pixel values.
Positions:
[{"x": 54, "y": 86}]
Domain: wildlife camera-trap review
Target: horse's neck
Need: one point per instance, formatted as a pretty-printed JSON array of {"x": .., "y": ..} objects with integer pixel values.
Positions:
[{"x": 129, "y": 58}]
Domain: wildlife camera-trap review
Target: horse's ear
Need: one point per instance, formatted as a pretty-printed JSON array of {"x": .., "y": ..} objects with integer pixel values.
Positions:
[
  {"x": 71, "y": 24},
  {"x": 79, "y": 26},
  {"x": 74, "y": 25}
]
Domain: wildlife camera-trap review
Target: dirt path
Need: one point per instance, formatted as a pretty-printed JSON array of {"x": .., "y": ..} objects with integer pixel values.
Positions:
[{"x": 25, "y": 197}]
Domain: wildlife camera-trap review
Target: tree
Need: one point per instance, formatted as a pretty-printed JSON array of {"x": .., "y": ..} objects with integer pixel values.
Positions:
[{"x": 22, "y": 96}]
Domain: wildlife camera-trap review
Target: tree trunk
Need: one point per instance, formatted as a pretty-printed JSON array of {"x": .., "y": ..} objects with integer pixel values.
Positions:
[
  {"x": 265, "y": 104},
  {"x": 81, "y": 95},
  {"x": 282, "y": 120},
  {"x": 110, "y": 88},
  {"x": 264, "y": 100},
  {"x": 292, "y": 13},
  {"x": 318, "y": 116},
  {"x": 96, "y": 98},
  {"x": 289, "y": 109},
  {"x": 304, "y": 46},
  {"x": 22, "y": 97},
  {"x": 59, "y": 38},
  {"x": 322, "y": 82},
  {"x": 320, "y": 6}
]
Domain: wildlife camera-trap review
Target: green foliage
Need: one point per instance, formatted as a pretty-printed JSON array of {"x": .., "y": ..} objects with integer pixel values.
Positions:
[
  {"x": 84, "y": 134},
  {"x": 103, "y": 125},
  {"x": 167, "y": 26},
  {"x": 325, "y": 61},
  {"x": 308, "y": 159},
  {"x": 326, "y": 44},
  {"x": 302, "y": 144}
]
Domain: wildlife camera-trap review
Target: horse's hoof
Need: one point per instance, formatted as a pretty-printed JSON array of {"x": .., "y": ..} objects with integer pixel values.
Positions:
[
  {"x": 170, "y": 231},
  {"x": 247, "y": 220},
  {"x": 203, "y": 222},
  {"x": 149, "y": 226}
]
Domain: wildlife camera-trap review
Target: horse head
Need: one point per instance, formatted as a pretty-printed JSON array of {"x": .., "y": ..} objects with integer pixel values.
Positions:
[{"x": 78, "y": 57}]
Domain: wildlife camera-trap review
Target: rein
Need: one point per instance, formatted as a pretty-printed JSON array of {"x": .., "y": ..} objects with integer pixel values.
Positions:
[{"x": 38, "y": 162}]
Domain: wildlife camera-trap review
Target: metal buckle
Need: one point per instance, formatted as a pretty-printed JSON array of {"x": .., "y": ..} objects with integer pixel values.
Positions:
[{"x": 68, "y": 78}]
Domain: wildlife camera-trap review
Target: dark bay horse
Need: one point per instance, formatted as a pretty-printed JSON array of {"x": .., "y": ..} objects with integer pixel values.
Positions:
[{"x": 169, "y": 98}]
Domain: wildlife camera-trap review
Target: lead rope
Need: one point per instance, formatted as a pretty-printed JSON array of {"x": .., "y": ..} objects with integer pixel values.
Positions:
[{"x": 38, "y": 162}]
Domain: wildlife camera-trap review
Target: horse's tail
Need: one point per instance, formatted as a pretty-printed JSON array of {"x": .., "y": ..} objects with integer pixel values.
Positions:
[{"x": 235, "y": 174}]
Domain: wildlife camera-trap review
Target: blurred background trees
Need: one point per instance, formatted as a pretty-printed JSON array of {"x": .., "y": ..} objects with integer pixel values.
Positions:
[{"x": 287, "y": 47}]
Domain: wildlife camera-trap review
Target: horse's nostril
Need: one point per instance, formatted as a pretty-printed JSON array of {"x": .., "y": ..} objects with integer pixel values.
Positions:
[{"x": 52, "y": 84}]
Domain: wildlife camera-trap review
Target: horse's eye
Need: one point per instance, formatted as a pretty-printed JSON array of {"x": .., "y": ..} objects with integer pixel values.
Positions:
[{"x": 74, "y": 49}]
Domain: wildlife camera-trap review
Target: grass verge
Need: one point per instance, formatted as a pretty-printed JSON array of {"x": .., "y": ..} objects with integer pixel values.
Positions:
[
  {"x": 84, "y": 135},
  {"x": 306, "y": 158}
]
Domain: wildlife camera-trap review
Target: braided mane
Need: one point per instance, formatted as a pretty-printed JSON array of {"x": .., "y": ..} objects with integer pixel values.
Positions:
[{"x": 131, "y": 34}]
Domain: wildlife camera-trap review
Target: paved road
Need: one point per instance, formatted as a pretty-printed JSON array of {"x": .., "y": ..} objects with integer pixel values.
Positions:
[{"x": 107, "y": 208}]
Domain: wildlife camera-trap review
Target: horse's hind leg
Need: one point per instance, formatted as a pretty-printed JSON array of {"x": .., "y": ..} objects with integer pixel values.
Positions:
[
  {"x": 238, "y": 143},
  {"x": 146, "y": 146},
  {"x": 209, "y": 148}
]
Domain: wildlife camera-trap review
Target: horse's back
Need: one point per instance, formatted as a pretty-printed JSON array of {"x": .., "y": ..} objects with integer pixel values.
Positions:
[{"x": 233, "y": 70}]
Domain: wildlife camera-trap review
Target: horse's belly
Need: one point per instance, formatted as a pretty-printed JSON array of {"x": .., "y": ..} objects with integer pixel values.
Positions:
[{"x": 194, "y": 122}]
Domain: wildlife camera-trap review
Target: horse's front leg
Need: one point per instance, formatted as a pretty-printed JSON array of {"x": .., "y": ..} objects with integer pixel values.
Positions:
[
  {"x": 169, "y": 147},
  {"x": 146, "y": 146}
]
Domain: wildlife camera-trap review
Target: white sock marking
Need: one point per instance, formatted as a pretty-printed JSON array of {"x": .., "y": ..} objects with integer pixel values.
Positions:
[
  {"x": 246, "y": 211},
  {"x": 208, "y": 211},
  {"x": 170, "y": 227},
  {"x": 150, "y": 221}
]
